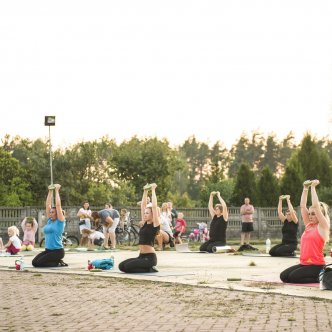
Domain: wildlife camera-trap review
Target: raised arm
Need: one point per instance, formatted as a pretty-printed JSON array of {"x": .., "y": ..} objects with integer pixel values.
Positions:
[
  {"x": 303, "y": 203},
  {"x": 58, "y": 207},
  {"x": 155, "y": 210},
  {"x": 291, "y": 210},
  {"x": 210, "y": 204},
  {"x": 323, "y": 222},
  {"x": 48, "y": 203},
  {"x": 23, "y": 224},
  {"x": 280, "y": 214},
  {"x": 144, "y": 201},
  {"x": 224, "y": 206}
]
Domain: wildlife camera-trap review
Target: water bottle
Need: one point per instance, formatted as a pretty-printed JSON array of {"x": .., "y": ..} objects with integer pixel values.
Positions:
[
  {"x": 267, "y": 245},
  {"x": 321, "y": 285}
]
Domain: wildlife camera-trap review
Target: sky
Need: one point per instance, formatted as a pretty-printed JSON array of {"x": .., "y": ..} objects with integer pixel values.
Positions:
[{"x": 171, "y": 69}]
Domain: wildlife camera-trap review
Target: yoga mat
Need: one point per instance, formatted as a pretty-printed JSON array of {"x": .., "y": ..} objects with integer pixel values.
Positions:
[
  {"x": 265, "y": 255},
  {"x": 9, "y": 255},
  {"x": 221, "y": 249},
  {"x": 184, "y": 248},
  {"x": 154, "y": 274}
]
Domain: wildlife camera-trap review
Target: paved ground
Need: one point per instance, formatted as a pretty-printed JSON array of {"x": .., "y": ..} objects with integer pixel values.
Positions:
[{"x": 73, "y": 299}]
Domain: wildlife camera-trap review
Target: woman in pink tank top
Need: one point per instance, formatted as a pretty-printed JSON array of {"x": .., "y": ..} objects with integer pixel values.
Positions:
[{"x": 316, "y": 234}]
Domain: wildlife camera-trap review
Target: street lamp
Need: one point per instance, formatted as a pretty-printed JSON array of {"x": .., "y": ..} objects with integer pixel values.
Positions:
[{"x": 50, "y": 121}]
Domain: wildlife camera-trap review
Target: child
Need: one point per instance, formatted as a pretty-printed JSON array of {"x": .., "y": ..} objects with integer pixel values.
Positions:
[
  {"x": 123, "y": 218},
  {"x": 94, "y": 237},
  {"x": 180, "y": 228},
  {"x": 29, "y": 226},
  {"x": 14, "y": 243}
]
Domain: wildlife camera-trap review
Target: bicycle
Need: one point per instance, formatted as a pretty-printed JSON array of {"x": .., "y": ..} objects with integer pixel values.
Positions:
[{"x": 68, "y": 241}]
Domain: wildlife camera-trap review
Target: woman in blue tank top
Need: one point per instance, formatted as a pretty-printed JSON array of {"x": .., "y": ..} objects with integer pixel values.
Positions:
[{"x": 54, "y": 252}]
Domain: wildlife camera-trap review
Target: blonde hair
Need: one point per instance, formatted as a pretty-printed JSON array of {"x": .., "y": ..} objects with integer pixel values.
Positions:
[
  {"x": 13, "y": 230},
  {"x": 325, "y": 210}
]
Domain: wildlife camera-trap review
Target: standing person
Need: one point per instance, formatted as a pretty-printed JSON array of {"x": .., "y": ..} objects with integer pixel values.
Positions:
[
  {"x": 289, "y": 230},
  {"x": 218, "y": 226},
  {"x": 14, "y": 245},
  {"x": 180, "y": 228},
  {"x": 54, "y": 251},
  {"x": 174, "y": 213},
  {"x": 84, "y": 213},
  {"x": 247, "y": 211},
  {"x": 165, "y": 235},
  {"x": 316, "y": 234},
  {"x": 29, "y": 226},
  {"x": 147, "y": 259},
  {"x": 109, "y": 218}
]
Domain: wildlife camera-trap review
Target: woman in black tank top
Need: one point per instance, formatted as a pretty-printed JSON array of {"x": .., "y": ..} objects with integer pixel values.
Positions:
[
  {"x": 147, "y": 259},
  {"x": 218, "y": 225},
  {"x": 289, "y": 230}
]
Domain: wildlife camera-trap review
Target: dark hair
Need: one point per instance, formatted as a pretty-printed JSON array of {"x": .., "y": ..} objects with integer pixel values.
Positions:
[
  {"x": 95, "y": 215},
  {"x": 84, "y": 203}
]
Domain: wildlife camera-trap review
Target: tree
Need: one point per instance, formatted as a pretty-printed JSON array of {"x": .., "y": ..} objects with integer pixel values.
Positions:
[
  {"x": 268, "y": 188},
  {"x": 245, "y": 185},
  {"x": 14, "y": 190},
  {"x": 291, "y": 182},
  {"x": 271, "y": 154}
]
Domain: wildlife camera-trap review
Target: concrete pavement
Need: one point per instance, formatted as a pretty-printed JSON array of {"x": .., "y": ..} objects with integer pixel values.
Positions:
[{"x": 192, "y": 292}]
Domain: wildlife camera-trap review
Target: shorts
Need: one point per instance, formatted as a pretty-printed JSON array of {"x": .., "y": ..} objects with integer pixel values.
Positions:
[
  {"x": 247, "y": 227},
  {"x": 85, "y": 225},
  {"x": 26, "y": 243},
  {"x": 112, "y": 228}
]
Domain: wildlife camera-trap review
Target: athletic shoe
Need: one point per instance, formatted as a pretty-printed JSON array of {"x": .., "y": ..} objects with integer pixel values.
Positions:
[{"x": 153, "y": 269}]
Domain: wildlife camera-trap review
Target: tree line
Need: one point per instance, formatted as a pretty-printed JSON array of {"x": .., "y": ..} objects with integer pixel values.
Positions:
[{"x": 256, "y": 166}]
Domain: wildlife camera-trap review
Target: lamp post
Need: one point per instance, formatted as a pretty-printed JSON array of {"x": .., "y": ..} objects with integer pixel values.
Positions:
[{"x": 50, "y": 121}]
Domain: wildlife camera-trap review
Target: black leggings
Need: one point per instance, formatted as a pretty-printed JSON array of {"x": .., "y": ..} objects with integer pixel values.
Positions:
[
  {"x": 301, "y": 274},
  {"x": 283, "y": 250},
  {"x": 48, "y": 258},
  {"x": 208, "y": 245},
  {"x": 142, "y": 263}
]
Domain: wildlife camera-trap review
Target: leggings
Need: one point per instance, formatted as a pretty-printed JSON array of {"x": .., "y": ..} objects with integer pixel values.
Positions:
[
  {"x": 48, "y": 258},
  {"x": 283, "y": 250},
  {"x": 208, "y": 245},
  {"x": 301, "y": 274},
  {"x": 143, "y": 263}
]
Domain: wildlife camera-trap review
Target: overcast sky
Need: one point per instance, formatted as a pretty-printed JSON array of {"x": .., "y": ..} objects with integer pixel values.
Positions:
[{"x": 213, "y": 69}]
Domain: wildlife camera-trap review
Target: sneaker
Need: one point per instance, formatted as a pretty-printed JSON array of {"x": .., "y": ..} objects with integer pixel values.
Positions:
[
  {"x": 171, "y": 242},
  {"x": 153, "y": 269},
  {"x": 62, "y": 263}
]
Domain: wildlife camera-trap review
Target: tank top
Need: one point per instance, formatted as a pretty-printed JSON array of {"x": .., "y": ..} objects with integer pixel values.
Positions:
[
  {"x": 312, "y": 245},
  {"x": 147, "y": 234},
  {"x": 218, "y": 228},
  {"x": 289, "y": 232}
]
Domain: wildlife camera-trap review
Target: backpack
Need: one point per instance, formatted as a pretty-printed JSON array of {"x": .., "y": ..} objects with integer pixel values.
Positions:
[
  {"x": 325, "y": 277},
  {"x": 103, "y": 264}
]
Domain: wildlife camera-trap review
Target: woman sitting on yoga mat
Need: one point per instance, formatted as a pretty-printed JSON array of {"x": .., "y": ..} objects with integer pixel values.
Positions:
[
  {"x": 289, "y": 230},
  {"x": 147, "y": 259},
  {"x": 54, "y": 252},
  {"x": 314, "y": 237},
  {"x": 218, "y": 224}
]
